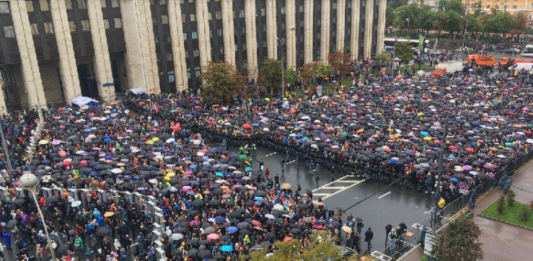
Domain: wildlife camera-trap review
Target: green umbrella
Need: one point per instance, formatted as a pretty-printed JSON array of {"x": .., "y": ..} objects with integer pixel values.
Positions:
[
  {"x": 267, "y": 99},
  {"x": 344, "y": 134},
  {"x": 243, "y": 157}
]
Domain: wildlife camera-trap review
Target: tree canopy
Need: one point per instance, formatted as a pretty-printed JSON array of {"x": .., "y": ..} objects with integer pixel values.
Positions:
[
  {"x": 404, "y": 52},
  {"x": 270, "y": 75},
  {"x": 220, "y": 82},
  {"x": 459, "y": 241}
]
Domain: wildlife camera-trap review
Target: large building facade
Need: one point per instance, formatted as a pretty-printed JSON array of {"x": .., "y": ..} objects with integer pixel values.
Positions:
[{"x": 52, "y": 51}]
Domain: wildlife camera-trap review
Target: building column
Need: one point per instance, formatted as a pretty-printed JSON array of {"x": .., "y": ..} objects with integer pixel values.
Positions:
[
  {"x": 141, "y": 61},
  {"x": 308, "y": 31},
  {"x": 204, "y": 40},
  {"x": 3, "y": 108},
  {"x": 356, "y": 21},
  {"x": 33, "y": 84},
  {"x": 369, "y": 21},
  {"x": 251, "y": 38},
  {"x": 67, "y": 59},
  {"x": 178, "y": 45},
  {"x": 102, "y": 61},
  {"x": 325, "y": 29},
  {"x": 290, "y": 25},
  {"x": 381, "y": 25},
  {"x": 228, "y": 31},
  {"x": 272, "y": 33},
  {"x": 341, "y": 24}
]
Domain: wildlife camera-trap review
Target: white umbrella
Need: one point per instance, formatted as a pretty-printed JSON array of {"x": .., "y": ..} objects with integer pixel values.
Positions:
[
  {"x": 153, "y": 181},
  {"x": 201, "y": 154},
  {"x": 76, "y": 203},
  {"x": 116, "y": 171},
  {"x": 170, "y": 140},
  {"x": 278, "y": 207},
  {"x": 176, "y": 236}
]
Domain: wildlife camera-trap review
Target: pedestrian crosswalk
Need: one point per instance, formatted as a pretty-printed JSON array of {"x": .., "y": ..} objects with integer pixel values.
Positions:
[{"x": 336, "y": 187}]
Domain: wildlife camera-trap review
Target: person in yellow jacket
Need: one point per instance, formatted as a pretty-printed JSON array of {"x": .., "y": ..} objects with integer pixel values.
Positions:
[{"x": 442, "y": 202}]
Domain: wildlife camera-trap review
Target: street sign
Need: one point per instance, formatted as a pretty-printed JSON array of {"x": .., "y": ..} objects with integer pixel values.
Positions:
[{"x": 431, "y": 240}]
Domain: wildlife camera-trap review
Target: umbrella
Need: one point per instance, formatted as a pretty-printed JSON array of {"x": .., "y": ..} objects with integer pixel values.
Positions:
[
  {"x": 286, "y": 186},
  {"x": 347, "y": 229},
  {"x": 176, "y": 236},
  {"x": 103, "y": 231},
  {"x": 226, "y": 248},
  {"x": 213, "y": 236}
]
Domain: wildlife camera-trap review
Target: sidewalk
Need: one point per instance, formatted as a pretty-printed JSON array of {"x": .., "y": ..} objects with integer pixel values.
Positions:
[{"x": 501, "y": 242}]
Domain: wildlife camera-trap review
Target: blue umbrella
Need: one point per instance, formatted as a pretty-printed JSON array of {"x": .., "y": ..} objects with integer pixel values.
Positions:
[
  {"x": 259, "y": 198},
  {"x": 232, "y": 229},
  {"x": 454, "y": 180},
  {"x": 220, "y": 219},
  {"x": 424, "y": 133},
  {"x": 107, "y": 140},
  {"x": 248, "y": 169},
  {"x": 226, "y": 248}
]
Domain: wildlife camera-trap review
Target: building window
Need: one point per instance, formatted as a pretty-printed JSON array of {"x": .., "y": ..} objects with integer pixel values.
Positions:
[
  {"x": 488, "y": 6},
  {"x": 197, "y": 72},
  {"x": 82, "y": 4},
  {"x": 68, "y": 4},
  {"x": 164, "y": 19},
  {"x": 193, "y": 17},
  {"x": 210, "y": 17},
  {"x": 9, "y": 32},
  {"x": 194, "y": 35},
  {"x": 263, "y": 12},
  {"x": 29, "y": 6},
  {"x": 44, "y": 5},
  {"x": 115, "y": 4},
  {"x": 118, "y": 23},
  {"x": 219, "y": 32},
  {"x": 218, "y": 15},
  {"x": 48, "y": 28},
  {"x": 106, "y": 24},
  {"x": 103, "y": 3},
  {"x": 34, "y": 29},
  {"x": 162, "y": 2},
  {"x": 283, "y": 10},
  {"x": 334, "y": 6},
  {"x": 241, "y": 13},
  {"x": 4, "y": 8},
  {"x": 195, "y": 53},
  {"x": 301, "y": 9},
  {"x": 85, "y": 25},
  {"x": 184, "y": 36},
  {"x": 169, "y": 57},
  {"x": 515, "y": 7},
  {"x": 72, "y": 26}
]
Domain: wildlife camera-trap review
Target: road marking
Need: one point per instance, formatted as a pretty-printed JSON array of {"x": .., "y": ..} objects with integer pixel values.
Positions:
[
  {"x": 290, "y": 162},
  {"x": 384, "y": 195},
  {"x": 321, "y": 194},
  {"x": 271, "y": 154},
  {"x": 333, "y": 187},
  {"x": 345, "y": 181},
  {"x": 347, "y": 176},
  {"x": 355, "y": 184}
]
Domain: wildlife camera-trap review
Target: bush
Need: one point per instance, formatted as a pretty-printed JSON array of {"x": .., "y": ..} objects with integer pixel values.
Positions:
[
  {"x": 525, "y": 214},
  {"x": 501, "y": 205},
  {"x": 510, "y": 198}
]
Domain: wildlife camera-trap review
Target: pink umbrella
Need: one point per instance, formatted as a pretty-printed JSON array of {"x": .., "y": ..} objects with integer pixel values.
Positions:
[
  {"x": 188, "y": 172},
  {"x": 213, "y": 236},
  {"x": 256, "y": 223}
]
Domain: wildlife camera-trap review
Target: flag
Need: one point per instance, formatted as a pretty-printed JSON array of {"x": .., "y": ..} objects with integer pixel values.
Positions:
[{"x": 421, "y": 43}]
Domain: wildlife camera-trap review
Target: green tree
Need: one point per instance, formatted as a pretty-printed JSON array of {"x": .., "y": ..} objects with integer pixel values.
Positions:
[
  {"x": 510, "y": 198},
  {"x": 455, "y": 6},
  {"x": 426, "y": 18},
  {"x": 322, "y": 248},
  {"x": 220, "y": 82},
  {"x": 525, "y": 214},
  {"x": 398, "y": 3},
  {"x": 501, "y": 205},
  {"x": 406, "y": 16},
  {"x": 323, "y": 70},
  {"x": 290, "y": 75},
  {"x": 307, "y": 72},
  {"x": 390, "y": 16},
  {"x": 270, "y": 75},
  {"x": 520, "y": 21},
  {"x": 459, "y": 241},
  {"x": 383, "y": 58},
  {"x": 499, "y": 22},
  {"x": 404, "y": 52},
  {"x": 285, "y": 251},
  {"x": 453, "y": 21}
]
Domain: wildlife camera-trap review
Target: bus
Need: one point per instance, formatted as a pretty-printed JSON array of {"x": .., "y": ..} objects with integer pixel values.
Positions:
[{"x": 528, "y": 51}]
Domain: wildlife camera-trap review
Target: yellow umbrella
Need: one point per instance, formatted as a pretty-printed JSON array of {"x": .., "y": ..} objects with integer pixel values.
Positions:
[
  {"x": 43, "y": 142},
  {"x": 155, "y": 139},
  {"x": 427, "y": 138}
]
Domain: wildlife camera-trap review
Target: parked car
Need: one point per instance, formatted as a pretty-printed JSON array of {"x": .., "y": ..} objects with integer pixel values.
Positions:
[{"x": 511, "y": 51}]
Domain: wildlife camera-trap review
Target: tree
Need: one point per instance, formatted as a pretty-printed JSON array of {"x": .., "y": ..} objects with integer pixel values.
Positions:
[
  {"x": 499, "y": 22},
  {"x": 455, "y": 6},
  {"x": 383, "y": 58},
  {"x": 406, "y": 16},
  {"x": 404, "y": 52},
  {"x": 398, "y": 3},
  {"x": 307, "y": 72},
  {"x": 285, "y": 251},
  {"x": 321, "y": 248},
  {"x": 290, "y": 75},
  {"x": 220, "y": 82},
  {"x": 525, "y": 214},
  {"x": 426, "y": 18},
  {"x": 323, "y": 70},
  {"x": 341, "y": 62},
  {"x": 390, "y": 16},
  {"x": 453, "y": 21},
  {"x": 459, "y": 241},
  {"x": 501, "y": 205},
  {"x": 520, "y": 21},
  {"x": 510, "y": 198},
  {"x": 270, "y": 75}
]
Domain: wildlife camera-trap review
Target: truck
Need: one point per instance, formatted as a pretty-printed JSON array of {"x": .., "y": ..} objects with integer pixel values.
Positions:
[
  {"x": 480, "y": 61},
  {"x": 448, "y": 67},
  {"x": 507, "y": 62}
]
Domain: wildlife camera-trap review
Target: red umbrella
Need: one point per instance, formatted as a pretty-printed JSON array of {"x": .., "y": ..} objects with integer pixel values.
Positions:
[
  {"x": 469, "y": 149},
  {"x": 287, "y": 239},
  {"x": 452, "y": 147},
  {"x": 66, "y": 163},
  {"x": 247, "y": 126},
  {"x": 213, "y": 236}
]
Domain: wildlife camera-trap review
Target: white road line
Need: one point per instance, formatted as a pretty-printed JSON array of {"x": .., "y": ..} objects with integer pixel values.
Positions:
[
  {"x": 290, "y": 162},
  {"x": 334, "y": 187},
  {"x": 384, "y": 195},
  {"x": 345, "y": 181},
  {"x": 320, "y": 194},
  {"x": 355, "y": 184},
  {"x": 347, "y": 176},
  {"x": 273, "y": 153}
]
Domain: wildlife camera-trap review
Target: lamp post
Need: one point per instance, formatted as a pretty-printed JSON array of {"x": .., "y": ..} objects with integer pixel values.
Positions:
[{"x": 29, "y": 182}]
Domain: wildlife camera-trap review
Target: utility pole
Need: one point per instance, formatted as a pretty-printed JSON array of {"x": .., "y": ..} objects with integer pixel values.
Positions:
[{"x": 439, "y": 176}]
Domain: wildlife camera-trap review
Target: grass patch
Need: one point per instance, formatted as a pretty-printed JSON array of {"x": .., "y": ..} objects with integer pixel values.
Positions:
[
  {"x": 422, "y": 67},
  {"x": 510, "y": 214},
  {"x": 425, "y": 258}
]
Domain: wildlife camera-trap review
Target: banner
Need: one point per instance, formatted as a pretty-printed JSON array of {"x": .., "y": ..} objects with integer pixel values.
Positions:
[{"x": 421, "y": 43}]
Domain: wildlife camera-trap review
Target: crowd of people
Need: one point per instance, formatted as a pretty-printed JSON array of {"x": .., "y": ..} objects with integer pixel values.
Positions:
[{"x": 136, "y": 176}]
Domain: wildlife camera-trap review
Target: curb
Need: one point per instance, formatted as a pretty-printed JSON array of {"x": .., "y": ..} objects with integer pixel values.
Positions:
[{"x": 505, "y": 222}]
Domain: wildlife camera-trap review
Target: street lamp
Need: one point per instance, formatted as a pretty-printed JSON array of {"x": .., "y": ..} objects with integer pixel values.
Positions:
[
  {"x": 281, "y": 42},
  {"x": 29, "y": 182}
]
